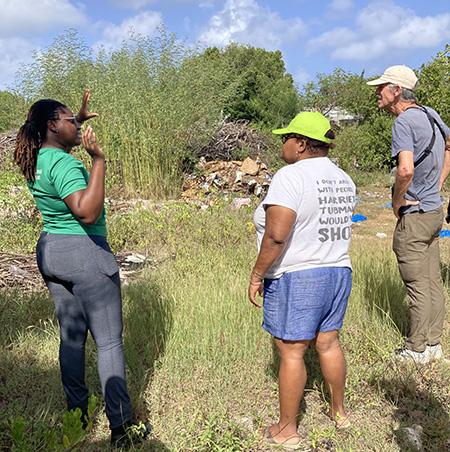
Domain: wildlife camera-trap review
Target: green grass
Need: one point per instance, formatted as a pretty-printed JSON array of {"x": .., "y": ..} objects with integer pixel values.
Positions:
[{"x": 200, "y": 366}]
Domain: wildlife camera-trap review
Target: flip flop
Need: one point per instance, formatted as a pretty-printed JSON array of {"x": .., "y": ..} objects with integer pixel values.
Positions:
[
  {"x": 341, "y": 423},
  {"x": 273, "y": 442}
]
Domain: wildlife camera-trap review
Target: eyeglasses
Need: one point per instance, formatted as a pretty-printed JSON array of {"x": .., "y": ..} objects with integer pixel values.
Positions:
[
  {"x": 288, "y": 136},
  {"x": 72, "y": 119}
]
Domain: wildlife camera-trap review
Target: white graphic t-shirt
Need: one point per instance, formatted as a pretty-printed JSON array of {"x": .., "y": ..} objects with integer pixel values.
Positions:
[{"x": 323, "y": 197}]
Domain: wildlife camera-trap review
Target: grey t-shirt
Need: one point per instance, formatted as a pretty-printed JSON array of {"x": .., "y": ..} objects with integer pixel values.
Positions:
[{"x": 412, "y": 132}]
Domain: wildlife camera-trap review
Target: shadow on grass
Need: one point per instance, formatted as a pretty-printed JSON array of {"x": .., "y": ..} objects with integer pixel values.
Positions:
[
  {"x": 418, "y": 394},
  {"x": 30, "y": 385},
  {"x": 150, "y": 445},
  {"x": 147, "y": 322},
  {"x": 384, "y": 295},
  {"x": 314, "y": 379}
]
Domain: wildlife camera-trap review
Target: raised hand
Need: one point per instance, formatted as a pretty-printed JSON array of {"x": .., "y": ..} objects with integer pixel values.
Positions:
[
  {"x": 84, "y": 114},
  {"x": 90, "y": 144}
]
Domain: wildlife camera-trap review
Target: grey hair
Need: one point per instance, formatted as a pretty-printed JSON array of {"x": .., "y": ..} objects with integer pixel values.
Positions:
[{"x": 407, "y": 94}]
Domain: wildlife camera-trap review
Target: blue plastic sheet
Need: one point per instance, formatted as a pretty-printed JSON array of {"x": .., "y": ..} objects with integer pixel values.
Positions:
[
  {"x": 444, "y": 233},
  {"x": 357, "y": 217}
]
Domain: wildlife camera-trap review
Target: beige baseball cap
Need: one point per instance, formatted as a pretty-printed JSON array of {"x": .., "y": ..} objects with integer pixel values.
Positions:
[{"x": 399, "y": 75}]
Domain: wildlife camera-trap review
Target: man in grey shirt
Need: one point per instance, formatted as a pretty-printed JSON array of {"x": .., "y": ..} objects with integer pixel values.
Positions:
[{"x": 420, "y": 141}]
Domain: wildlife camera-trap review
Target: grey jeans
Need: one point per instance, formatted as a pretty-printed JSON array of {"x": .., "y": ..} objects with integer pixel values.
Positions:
[{"x": 82, "y": 276}]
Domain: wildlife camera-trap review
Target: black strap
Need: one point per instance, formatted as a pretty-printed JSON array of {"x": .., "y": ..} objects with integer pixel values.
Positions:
[{"x": 429, "y": 148}]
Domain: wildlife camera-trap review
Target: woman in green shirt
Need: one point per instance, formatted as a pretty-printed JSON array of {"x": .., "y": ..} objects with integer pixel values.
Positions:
[{"x": 74, "y": 257}]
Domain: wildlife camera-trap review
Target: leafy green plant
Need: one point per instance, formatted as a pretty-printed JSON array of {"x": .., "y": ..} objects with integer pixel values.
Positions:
[
  {"x": 72, "y": 428},
  {"x": 18, "y": 439},
  {"x": 38, "y": 435}
]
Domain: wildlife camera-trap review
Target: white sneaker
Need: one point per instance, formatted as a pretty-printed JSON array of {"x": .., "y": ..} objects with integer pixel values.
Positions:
[
  {"x": 434, "y": 351},
  {"x": 405, "y": 354}
]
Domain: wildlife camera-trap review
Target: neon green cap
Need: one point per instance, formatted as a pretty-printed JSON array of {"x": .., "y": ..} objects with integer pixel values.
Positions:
[{"x": 311, "y": 124}]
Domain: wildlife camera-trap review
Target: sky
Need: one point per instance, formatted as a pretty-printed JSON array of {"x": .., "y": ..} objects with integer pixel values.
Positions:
[{"x": 314, "y": 36}]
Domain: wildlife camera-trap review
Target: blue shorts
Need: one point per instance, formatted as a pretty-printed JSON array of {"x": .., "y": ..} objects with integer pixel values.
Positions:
[{"x": 303, "y": 303}]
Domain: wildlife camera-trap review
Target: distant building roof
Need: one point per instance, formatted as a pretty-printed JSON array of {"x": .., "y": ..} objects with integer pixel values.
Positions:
[{"x": 337, "y": 115}]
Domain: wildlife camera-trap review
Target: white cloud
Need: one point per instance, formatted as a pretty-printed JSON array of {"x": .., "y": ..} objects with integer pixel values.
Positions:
[
  {"x": 134, "y": 4},
  {"x": 341, "y": 5},
  {"x": 206, "y": 4},
  {"x": 139, "y": 4},
  {"x": 246, "y": 22},
  {"x": 343, "y": 36},
  {"x": 383, "y": 28},
  {"x": 15, "y": 53},
  {"x": 382, "y": 17},
  {"x": 26, "y": 17},
  {"x": 301, "y": 77},
  {"x": 145, "y": 24}
]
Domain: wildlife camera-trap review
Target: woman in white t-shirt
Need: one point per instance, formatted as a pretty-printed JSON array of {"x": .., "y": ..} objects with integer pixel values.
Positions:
[{"x": 303, "y": 267}]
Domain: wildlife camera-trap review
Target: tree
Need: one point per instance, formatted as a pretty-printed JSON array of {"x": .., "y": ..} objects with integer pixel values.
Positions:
[
  {"x": 339, "y": 89},
  {"x": 262, "y": 91},
  {"x": 13, "y": 110},
  {"x": 434, "y": 86}
]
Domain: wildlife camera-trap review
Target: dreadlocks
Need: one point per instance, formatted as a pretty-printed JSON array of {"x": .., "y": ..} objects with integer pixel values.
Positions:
[{"x": 32, "y": 134}]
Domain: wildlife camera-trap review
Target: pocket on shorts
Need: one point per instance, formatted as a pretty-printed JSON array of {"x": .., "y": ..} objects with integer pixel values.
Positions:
[
  {"x": 105, "y": 260},
  {"x": 310, "y": 291},
  {"x": 63, "y": 259}
]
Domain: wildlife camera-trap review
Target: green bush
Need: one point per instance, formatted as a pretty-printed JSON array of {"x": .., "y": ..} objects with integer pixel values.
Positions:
[
  {"x": 434, "y": 88},
  {"x": 366, "y": 146},
  {"x": 13, "y": 109}
]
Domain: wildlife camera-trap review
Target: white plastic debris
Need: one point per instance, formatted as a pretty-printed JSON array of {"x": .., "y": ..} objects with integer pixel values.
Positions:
[
  {"x": 135, "y": 258},
  {"x": 238, "y": 179},
  {"x": 18, "y": 271},
  {"x": 381, "y": 235},
  {"x": 414, "y": 436},
  {"x": 239, "y": 202}
]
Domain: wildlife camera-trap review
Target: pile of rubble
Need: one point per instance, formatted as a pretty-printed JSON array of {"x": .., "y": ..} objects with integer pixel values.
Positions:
[
  {"x": 20, "y": 270},
  {"x": 7, "y": 144},
  {"x": 246, "y": 177}
]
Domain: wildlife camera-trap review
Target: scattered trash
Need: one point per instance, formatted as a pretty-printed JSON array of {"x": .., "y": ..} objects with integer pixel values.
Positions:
[
  {"x": 135, "y": 258},
  {"x": 387, "y": 205},
  {"x": 357, "y": 217},
  {"x": 381, "y": 235},
  {"x": 20, "y": 270},
  {"x": 239, "y": 202},
  {"x": 414, "y": 436},
  {"x": 444, "y": 233},
  {"x": 7, "y": 144},
  {"x": 247, "y": 177},
  {"x": 250, "y": 167}
]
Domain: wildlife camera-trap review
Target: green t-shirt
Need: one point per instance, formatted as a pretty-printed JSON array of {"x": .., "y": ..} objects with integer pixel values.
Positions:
[{"x": 58, "y": 175}]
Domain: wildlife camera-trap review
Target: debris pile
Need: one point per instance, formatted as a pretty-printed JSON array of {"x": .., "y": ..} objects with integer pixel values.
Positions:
[
  {"x": 247, "y": 177},
  {"x": 7, "y": 144},
  {"x": 232, "y": 137},
  {"x": 20, "y": 270}
]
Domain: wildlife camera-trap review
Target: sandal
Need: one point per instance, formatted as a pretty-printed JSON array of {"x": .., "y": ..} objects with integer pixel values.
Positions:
[
  {"x": 341, "y": 423},
  {"x": 285, "y": 445}
]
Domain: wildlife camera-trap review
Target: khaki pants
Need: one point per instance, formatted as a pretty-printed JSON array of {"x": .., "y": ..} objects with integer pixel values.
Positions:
[{"x": 416, "y": 245}]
